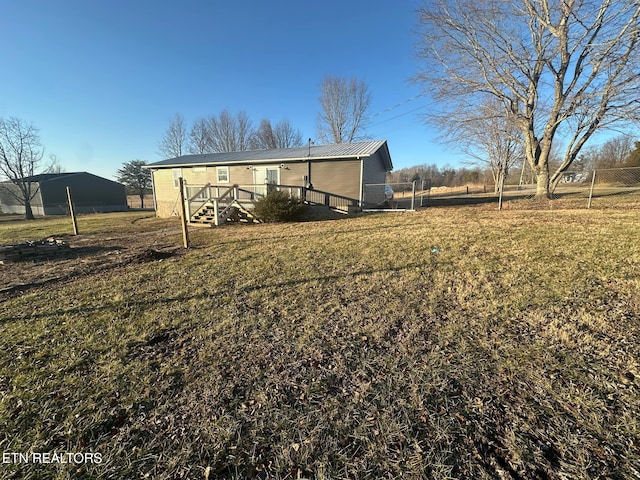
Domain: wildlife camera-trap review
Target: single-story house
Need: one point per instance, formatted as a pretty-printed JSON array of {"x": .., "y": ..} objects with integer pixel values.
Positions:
[
  {"x": 334, "y": 174},
  {"x": 90, "y": 193}
]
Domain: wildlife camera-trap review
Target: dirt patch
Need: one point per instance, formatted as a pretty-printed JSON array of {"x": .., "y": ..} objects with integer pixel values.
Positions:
[
  {"x": 152, "y": 255},
  {"x": 88, "y": 255}
]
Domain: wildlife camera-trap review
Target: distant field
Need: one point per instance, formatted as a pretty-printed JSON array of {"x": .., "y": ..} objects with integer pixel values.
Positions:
[
  {"x": 134, "y": 201},
  {"x": 456, "y": 342}
]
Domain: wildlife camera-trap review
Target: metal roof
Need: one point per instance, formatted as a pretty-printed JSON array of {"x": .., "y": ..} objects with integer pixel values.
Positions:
[{"x": 315, "y": 152}]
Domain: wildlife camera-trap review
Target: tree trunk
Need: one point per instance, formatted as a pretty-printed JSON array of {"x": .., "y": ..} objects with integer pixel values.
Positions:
[
  {"x": 542, "y": 187},
  {"x": 142, "y": 200},
  {"x": 28, "y": 213}
]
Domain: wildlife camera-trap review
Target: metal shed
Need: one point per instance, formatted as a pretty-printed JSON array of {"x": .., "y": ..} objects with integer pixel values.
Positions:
[{"x": 91, "y": 193}]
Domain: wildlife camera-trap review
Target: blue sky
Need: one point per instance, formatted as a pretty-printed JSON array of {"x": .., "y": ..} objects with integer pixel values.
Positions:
[{"x": 101, "y": 79}]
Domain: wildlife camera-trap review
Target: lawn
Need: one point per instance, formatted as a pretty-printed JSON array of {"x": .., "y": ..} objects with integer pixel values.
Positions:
[{"x": 457, "y": 342}]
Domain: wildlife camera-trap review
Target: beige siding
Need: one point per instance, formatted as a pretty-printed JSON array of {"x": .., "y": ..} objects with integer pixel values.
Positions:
[
  {"x": 293, "y": 174},
  {"x": 166, "y": 194},
  {"x": 340, "y": 177}
]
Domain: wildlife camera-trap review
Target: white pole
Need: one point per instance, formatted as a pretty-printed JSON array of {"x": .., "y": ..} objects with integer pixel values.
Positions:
[{"x": 593, "y": 180}]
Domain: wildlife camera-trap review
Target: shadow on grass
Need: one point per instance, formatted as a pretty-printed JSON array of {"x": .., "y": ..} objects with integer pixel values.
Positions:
[
  {"x": 262, "y": 239},
  {"x": 144, "y": 304}
]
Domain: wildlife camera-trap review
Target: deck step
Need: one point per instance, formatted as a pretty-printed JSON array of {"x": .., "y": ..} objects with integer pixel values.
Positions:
[{"x": 236, "y": 213}]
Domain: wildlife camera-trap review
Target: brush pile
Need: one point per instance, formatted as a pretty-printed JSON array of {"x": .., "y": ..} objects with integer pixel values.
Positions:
[{"x": 36, "y": 250}]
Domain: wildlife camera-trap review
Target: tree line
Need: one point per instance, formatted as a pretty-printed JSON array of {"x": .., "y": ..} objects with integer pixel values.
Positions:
[
  {"x": 617, "y": 152},
  {"x": 225, "y": 132},
  {"x": 343, "y": 102}
]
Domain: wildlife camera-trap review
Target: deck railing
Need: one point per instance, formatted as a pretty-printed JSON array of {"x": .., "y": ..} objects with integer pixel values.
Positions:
[{"x": 221, "y": 196}]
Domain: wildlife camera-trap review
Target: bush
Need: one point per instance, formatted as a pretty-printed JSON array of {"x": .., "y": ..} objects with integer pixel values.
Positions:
[{"x": 278, "y": 206}]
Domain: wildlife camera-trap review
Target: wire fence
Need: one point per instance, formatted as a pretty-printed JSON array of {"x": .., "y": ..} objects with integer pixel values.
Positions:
[
  {"x": 399, "y": 196},
  {"x": 604, "y": 188}
]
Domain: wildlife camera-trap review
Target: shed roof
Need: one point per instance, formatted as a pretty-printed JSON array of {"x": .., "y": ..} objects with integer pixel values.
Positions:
[
  {"x": 46, "y": 177},
  {"x": 296, "y": 154},
  {"x": 43, "y": 177}
]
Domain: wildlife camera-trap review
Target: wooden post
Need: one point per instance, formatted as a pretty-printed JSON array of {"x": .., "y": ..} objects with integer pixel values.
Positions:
[
  {"x": 183, "y": 215},
  {"x": 216, "y": 213},
  {"x": 72, "y": 212}
]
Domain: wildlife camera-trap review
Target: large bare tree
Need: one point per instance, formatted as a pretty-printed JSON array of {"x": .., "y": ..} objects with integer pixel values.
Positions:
[
  {"x": 559, "y": 68},
  {"x": 280, "y": 135},
  {"x": 174, "y": 141},
  {"x": 343, "y": 104},
  {"x": 229, "y": 133},
  {"x": 20, "y": 159}
]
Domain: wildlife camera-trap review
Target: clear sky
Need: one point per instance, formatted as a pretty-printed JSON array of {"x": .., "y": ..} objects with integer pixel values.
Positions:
[{"x": 101, "y": 78}]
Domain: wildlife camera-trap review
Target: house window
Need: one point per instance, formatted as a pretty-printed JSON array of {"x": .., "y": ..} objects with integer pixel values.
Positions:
[
  {"x": 177, "y": 173},
  {"x": 222, "y": 174}
]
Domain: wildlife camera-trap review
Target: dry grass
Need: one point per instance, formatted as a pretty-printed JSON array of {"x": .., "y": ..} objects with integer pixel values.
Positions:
[{"x": 448, "y": 343}]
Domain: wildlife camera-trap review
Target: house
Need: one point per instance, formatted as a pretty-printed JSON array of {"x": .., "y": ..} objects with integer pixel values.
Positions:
[
  {"x": 330, "y": 175},
  {"x": 90, "y": 193}
]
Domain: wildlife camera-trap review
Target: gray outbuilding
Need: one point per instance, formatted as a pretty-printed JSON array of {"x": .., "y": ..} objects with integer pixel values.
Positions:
[{"x": 90, "y": 193}]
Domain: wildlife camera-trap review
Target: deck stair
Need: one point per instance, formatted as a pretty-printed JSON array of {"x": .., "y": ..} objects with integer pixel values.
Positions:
[{"x": 233, "y": 212}]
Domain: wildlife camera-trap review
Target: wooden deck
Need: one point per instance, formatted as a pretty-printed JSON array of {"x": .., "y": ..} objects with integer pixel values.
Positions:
[{"x": 214, "y": 204}]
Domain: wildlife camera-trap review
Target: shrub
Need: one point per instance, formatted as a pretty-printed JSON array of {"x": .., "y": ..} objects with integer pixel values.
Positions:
[{"x": 278, "y": 206}]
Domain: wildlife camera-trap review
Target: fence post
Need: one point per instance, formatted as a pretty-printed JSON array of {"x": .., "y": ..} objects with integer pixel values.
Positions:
[
  {"x": 72, "y": 212},
  {"x": 413, "y": 195},
  {"x": 593, "y": 180},
  {"x": 183, "y": 215}
]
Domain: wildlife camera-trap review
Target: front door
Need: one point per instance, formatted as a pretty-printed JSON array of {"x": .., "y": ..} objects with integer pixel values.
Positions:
[{"x": 265, "y": 176}]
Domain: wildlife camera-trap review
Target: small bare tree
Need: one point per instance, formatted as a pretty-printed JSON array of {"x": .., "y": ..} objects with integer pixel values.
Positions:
[
  {"x": 344, "y": 104},
  {"x": 20, "y": 159},
  {"x": 54, "y": 164},
  {"x": 488, "y": 137},
  {"x": 567, "y": 68},
  {"x": 615, "y": 152},
  {"x": 174, "y": 141}
]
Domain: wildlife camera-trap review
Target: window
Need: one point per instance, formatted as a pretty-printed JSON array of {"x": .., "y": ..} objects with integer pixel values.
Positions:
[
  {"x": 177, "y": 173},
  {"x": 222, "y": 174}
]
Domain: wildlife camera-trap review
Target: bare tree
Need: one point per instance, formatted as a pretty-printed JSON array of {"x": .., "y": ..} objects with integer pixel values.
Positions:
[
  {"x": 488, "y": 137},
  {"x": 264, "y": 138},
  {"x": 615, "y": 152},
  {"x": 286, "y": 135},
  {"x": 54, "y": 165},
  {"x": 199, "y": 137},
  {"x": 174, "y": 141},
  {"x": 344, "y": 104},
  {"x": 565, "y": 68},
  {"x": 228, "y": 133},
  {"x": 20, "y": 159},
  {"x": 281, "y": 135}
]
